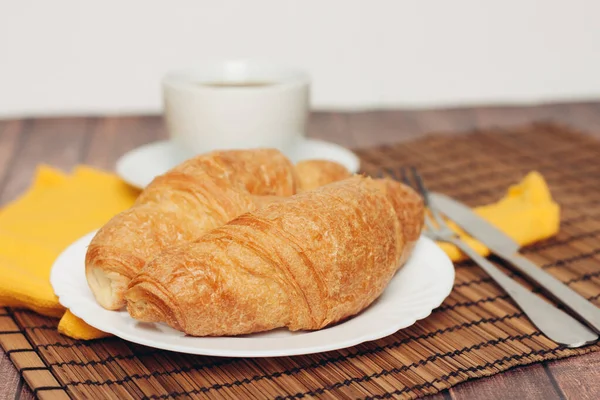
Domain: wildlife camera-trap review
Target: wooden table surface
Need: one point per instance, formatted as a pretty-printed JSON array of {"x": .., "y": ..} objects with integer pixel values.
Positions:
[{"x": 99, "y": 141}]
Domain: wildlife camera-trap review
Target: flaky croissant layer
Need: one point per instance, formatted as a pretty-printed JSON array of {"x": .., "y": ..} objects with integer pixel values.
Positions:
[
  {"x": 181, "y": 205},
  {"x": 303, "y": 262}
]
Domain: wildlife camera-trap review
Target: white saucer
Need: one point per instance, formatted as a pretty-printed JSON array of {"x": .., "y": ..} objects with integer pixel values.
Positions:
[
  {"x": 139, "y": 166},
  {"x": 419, "y": 287}
]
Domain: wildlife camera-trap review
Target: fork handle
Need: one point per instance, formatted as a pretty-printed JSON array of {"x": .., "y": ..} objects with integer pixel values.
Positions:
[
  {"x": 551, "y": 321},
  {"x": 578, "y": 304}
]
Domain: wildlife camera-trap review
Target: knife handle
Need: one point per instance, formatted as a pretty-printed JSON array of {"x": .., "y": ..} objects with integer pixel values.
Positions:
[
  {"x": 578, "y": 304},
  {"x": 551, "y": 321}
]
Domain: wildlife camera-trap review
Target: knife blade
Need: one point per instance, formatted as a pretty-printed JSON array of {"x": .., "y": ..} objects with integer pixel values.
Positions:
[{"x": 506, "y": 248}]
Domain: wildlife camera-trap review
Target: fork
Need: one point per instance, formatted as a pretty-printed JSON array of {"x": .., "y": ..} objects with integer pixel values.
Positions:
[{"x": 551, "y": 321}]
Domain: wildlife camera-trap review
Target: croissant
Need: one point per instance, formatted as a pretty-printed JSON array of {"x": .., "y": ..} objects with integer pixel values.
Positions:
[
  {"x": 303, "y": 262},
  {"x": 194, "y": 197},
  {"x": 310, "y": 174},
  {"x": 315, "y": 173}
]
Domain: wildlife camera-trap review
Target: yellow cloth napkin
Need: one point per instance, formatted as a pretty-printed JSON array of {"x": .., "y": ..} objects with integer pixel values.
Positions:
[
  {"x": 60, "y": 208},
  {"x": 526, "y": 213},
  {"x": 34, "y": 229}
]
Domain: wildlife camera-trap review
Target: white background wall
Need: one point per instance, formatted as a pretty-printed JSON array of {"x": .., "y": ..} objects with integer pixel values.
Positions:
[{"x": 75, "y": 56}]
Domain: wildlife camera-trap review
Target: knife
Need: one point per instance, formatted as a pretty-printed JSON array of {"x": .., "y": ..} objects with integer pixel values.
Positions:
[{"x": 506, "y": 248}]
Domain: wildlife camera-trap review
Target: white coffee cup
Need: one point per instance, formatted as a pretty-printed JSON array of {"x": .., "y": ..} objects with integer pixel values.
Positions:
[{"x": 236, "y": 105}]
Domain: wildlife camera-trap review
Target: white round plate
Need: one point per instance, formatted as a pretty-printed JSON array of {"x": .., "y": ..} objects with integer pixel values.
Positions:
[
  {"x": 424, "y": 282},
  {"x": 139, "y": 166}
]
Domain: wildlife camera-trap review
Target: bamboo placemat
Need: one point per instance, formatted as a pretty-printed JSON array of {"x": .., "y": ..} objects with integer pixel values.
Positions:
[{"x": 476, "y": 332}]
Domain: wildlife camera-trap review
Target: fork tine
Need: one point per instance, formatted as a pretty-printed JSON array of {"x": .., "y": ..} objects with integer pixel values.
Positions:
[
  {"x": 417, "y": 185},
  {"x": 405, "y": 178},
  {"x": 420, "y": 186},
  {"x": 384, "y": 172},
  {"x": 390, "y": 173},
  {"x": 425, "y": 193}
]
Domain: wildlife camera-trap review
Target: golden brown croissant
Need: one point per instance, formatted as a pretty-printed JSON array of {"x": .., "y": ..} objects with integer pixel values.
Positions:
[
  {"x": 302, "y": 263},
  {"x": 194, "y": 197},
  {"x": 310, "y": 174},
  {"x": 315, "y": 173}
]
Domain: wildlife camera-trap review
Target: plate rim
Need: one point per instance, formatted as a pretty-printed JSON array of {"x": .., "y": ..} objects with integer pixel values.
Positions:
[
  {"x": 123, "y": 160},
  {"x": 71, "y": 304}
]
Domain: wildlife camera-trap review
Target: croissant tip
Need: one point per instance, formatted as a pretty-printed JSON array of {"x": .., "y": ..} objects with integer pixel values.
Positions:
[
  {"x": 107, "y": 287},
  {"x": 146, "y": 304}
]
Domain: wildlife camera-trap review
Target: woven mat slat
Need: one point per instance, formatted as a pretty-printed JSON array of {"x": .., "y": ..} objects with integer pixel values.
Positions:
[{"x": 476, "y": 332}]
